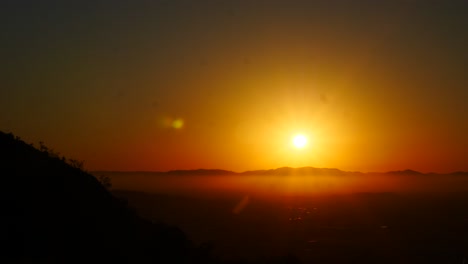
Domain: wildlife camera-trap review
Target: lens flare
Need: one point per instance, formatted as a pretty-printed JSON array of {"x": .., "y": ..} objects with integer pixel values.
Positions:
[{"x": 178, "y": 123}]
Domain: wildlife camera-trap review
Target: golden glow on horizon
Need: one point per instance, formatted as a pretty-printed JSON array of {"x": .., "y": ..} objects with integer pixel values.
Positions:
[{"x": 299, "y": 141}]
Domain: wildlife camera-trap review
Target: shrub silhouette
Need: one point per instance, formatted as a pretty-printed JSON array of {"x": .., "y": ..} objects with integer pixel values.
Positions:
[{"x": 105, "y": 181}]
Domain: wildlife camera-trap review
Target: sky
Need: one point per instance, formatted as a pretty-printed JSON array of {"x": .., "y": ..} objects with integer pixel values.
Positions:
[{"x": 162, "y": 85}]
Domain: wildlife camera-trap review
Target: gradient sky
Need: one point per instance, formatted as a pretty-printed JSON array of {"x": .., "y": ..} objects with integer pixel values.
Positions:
[{"x": 160, "y": 85}]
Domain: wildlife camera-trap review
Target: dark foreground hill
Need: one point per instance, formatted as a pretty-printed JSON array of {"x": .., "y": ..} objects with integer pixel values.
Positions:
[{"x": 53, "y": 212}]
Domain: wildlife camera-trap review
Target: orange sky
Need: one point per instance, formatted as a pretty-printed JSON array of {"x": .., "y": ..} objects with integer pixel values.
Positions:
[{"x": 181, "y": 85}]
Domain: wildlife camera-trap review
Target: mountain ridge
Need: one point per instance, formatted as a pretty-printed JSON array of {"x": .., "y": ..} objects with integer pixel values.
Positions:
[{"x": 307, "y": 170}]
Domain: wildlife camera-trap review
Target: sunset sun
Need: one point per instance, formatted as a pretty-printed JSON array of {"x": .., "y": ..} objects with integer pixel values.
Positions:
[{"x": 299, "y": 141}]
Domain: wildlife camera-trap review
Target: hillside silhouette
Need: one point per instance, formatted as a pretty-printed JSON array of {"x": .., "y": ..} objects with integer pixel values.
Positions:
[{"x": 55, "y": 212}]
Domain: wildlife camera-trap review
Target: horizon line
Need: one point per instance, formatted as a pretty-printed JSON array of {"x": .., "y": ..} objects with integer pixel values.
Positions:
[{"x": 284, "y": 167}]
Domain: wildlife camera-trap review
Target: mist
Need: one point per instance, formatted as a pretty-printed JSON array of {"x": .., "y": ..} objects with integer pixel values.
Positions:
[{"x": 274, "y": 185}]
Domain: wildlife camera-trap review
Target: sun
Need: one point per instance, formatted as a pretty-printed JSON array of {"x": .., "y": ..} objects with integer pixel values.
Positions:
[{"x": 299, "y": 141}]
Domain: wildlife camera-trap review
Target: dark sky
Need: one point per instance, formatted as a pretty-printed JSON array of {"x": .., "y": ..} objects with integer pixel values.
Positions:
[{"x": 158, "y": 85}]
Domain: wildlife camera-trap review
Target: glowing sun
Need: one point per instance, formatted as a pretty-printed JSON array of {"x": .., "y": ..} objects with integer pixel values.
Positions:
[{"x": 299, "y": 141}]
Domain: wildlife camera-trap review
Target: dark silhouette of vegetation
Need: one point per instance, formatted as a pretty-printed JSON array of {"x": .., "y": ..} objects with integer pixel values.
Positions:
[
  {"x": 77, "y": 164},
  {"x": 55, "y": 212},
  {"x": 105, "y": 181}
]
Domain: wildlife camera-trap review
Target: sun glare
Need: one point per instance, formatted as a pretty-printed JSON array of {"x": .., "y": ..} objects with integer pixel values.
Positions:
[{"x": 299, "y": 141}]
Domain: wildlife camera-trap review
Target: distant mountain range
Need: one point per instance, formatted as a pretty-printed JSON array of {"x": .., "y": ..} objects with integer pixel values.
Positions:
[{"x": 285, "y": 171}]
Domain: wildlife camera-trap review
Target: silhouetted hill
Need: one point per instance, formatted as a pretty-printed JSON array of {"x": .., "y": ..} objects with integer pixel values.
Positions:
[{"x": 53, "y": 212}]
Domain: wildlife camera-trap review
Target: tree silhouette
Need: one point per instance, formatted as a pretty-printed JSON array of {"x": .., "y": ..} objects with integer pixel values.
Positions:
[{"x": 105, "y": 181}]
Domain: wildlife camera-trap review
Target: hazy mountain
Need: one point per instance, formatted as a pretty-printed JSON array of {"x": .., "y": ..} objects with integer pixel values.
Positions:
[
  {"x": 405, "y": 172},
  {"x": 303, "y": 171},
  {"x": 200, "y": 172},
  {"x": 283, "y": 171}
]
